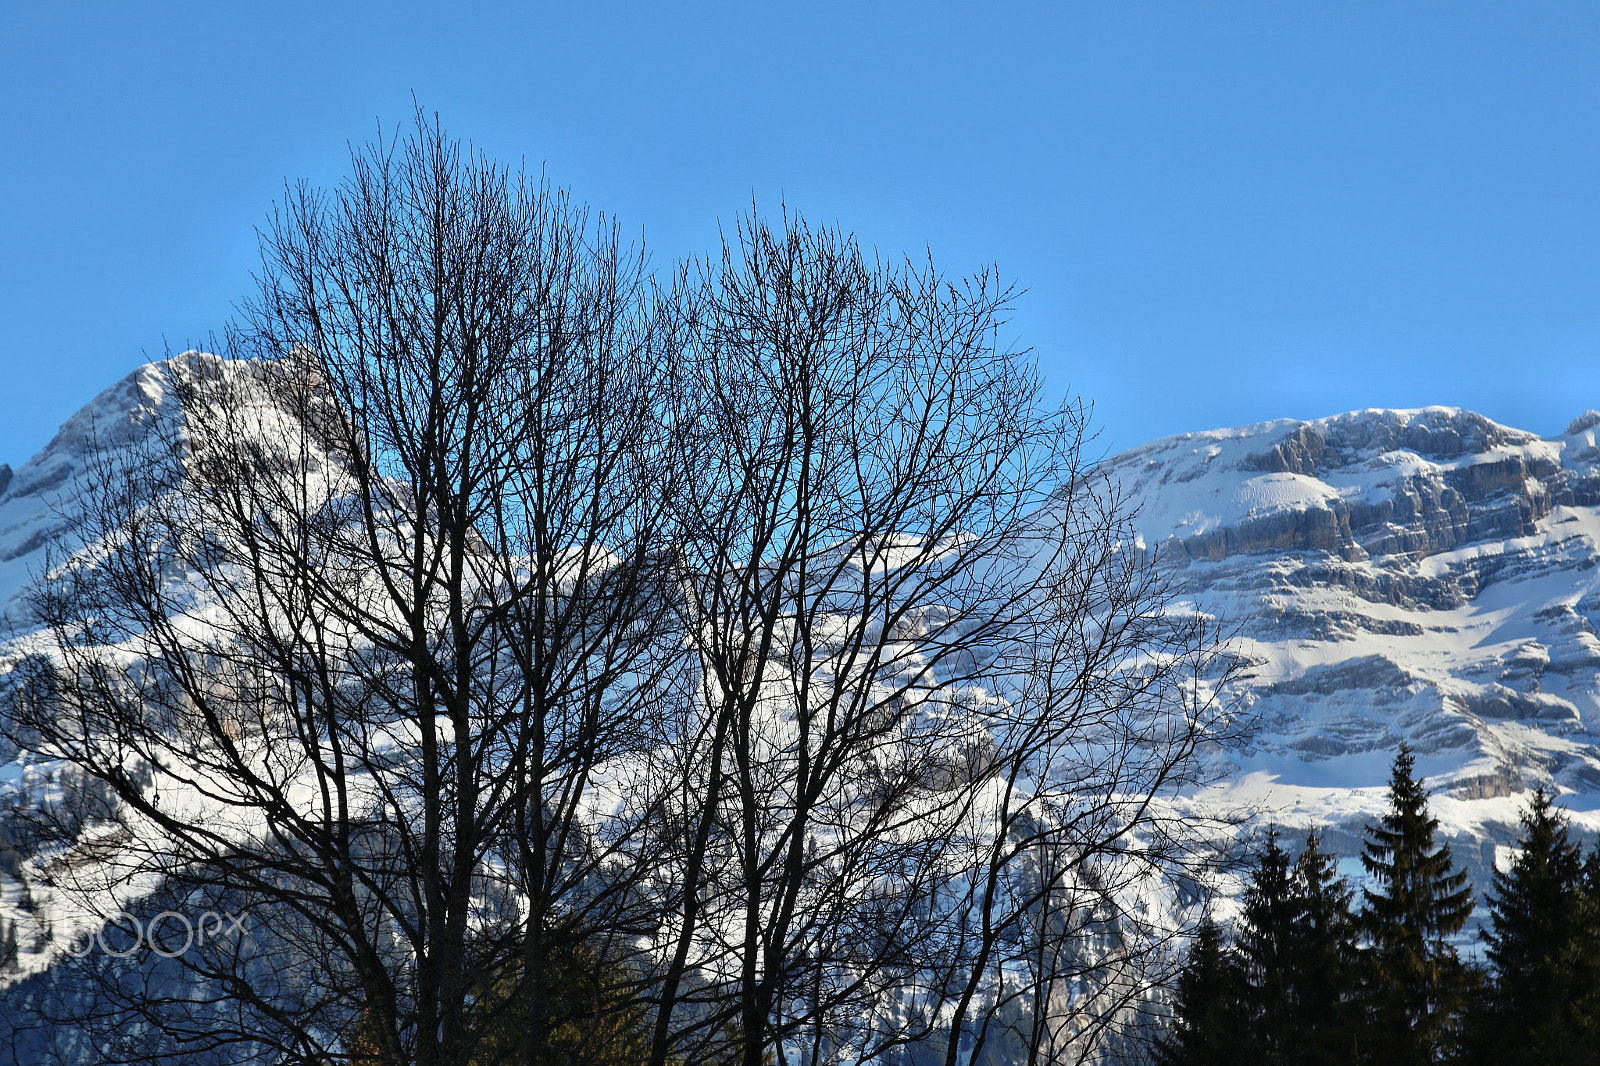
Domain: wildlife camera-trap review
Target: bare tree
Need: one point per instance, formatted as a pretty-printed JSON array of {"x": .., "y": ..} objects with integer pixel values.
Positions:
[
  {"x": 359, "y": 633},
  {"x": 758, "y": 651},
  {"x": 941, "y": 694}
]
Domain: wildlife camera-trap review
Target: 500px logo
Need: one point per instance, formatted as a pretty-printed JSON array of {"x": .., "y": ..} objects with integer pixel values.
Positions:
[{"x": 159, "y": 934}]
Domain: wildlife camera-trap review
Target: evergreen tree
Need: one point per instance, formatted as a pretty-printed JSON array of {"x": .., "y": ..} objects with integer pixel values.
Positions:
[
  {"x": 1297, "y": 948},
  {"x": 1322, "y": 961},
  {"x": 1591, "y": 874},
  {"x": 1541, "y": 1004},
  {"x": 1415, "y": 985},
  {"x": 1208, "y": 1007},
  {"x": 586, "y": 1013},
  {"x": 1268, "y": 928}
]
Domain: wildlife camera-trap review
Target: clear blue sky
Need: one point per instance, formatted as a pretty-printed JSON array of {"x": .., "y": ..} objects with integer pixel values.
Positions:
[{"x": 1222, "y": 212}]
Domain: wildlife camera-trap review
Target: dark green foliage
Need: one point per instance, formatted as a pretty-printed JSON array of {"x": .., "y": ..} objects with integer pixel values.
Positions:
[
  {"x": 1322, "y": 961},
  {"x": 1283, "y": 997},
  {"x": 1267, "y": 931},
  {"x": 1543, "y": 1005},
  {"x": 1208, "y": 1006},
  {"x": 582, "y": 1011},
  {"x": 1297, "y": 943},
  {"x": 1415, "y": 986},
  {"x": 1308, "y": 983}
]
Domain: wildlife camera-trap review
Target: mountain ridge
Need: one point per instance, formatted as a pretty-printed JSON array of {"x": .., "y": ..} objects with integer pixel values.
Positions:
[{"x": 1425, "y": 575}]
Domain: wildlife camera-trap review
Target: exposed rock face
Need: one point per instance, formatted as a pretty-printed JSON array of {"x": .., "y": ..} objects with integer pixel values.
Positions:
[
  {"x": 1424, "y": 575},
  {"x": 1420, "y": 490}
]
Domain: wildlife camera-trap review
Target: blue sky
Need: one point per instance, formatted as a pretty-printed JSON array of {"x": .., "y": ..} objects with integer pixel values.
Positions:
[{"x": 1222, "y": 212}]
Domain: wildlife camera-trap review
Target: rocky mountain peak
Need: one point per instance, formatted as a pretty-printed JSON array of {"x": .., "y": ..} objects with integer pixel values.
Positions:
[
  {"x": 138, "y": 419},
  {"x": 1425, "y": 575}
]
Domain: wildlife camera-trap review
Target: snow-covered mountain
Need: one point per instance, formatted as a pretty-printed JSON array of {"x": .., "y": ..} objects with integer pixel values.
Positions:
[
  {"x": 1425, "y": 575},
  {"x": 32, "y": 515},
  {"x": 1422, "y": 575}
]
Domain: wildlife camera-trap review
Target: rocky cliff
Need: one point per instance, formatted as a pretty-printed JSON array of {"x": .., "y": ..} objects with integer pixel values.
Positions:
[{"x": 1424, "y": 575}]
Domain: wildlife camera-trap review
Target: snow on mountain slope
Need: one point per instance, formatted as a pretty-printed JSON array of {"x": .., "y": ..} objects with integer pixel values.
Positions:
[
  {"x": 1424, "y": 575},
  {"x": 135, "y": 425},
  {"x": 35, "y": 499}
]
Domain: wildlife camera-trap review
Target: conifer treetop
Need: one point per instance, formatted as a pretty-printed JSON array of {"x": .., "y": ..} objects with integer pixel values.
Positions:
[
  {"x": 1420, "y": 894},
  {"x": 1534, "y": 903}
]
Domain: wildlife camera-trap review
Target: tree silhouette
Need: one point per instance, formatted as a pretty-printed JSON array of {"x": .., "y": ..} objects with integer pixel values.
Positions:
[
  {"x": 1322, "y": 960},
  {"x": 1297, "y": 945},
  {"x": 1415, "y": 985},
  {"x": 1272, "y": 911},
  {"x": 765, "y": 631},
  {"x": 1542, "y": 940},
  {"x": 1208, "y": 1008}
]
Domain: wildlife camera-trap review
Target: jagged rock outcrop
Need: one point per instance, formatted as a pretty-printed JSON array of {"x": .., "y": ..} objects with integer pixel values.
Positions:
[
  {"x": 1425, "y": 489},
  {"x": 1425, "y": 575}
]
